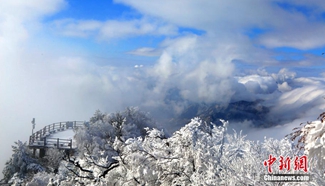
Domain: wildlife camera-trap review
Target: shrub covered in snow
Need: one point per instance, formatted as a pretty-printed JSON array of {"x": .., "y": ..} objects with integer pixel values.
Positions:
[{"x": 21, "y": 163}]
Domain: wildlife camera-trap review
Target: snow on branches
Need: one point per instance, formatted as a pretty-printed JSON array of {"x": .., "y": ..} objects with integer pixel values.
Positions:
[
  {"x": 199, "y": 153},
  {"x": 124, "y": 149},
  {"x": 311, "y": 138},
  {"x": 21, "y": 163}
]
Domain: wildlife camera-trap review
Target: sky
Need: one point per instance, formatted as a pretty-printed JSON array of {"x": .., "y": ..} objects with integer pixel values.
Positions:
[{"x": 61, "y": 60}]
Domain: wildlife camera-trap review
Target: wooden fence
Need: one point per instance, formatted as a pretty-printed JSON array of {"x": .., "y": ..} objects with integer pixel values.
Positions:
[{"x": 41, "y": 139}]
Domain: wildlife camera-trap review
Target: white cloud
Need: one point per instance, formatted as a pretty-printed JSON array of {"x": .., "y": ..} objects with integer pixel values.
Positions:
[
  {"x": 29, "y": 10},
  {"x": 17, "y": 20},
  {"x": 284, "y": 75},
  {"x": 15, "y": 15},
  {"x": 112, "y": 29},
  {"x": 302, "y": 35},
  {"x": 259, "y": 84},
  {"x": 299, "y": 100},
  {"x": 117, "y": 29},
  {"x": 200, "y": 76},
  {"x": 77, "y": 28},
  {"x": 204, "y": 14},
  {"x": 302, "y": 102},
  {"x": 284, "y": 87},
  {"x": 145, "y": 51},
  {"x": 285, "y": 27}
]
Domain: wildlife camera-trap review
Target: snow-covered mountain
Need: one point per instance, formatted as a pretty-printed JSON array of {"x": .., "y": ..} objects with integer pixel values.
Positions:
[{"x": 234, "y": 112}]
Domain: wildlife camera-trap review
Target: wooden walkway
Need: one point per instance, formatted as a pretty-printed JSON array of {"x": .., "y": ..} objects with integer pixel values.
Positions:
[{"x": 41, "y": 139}]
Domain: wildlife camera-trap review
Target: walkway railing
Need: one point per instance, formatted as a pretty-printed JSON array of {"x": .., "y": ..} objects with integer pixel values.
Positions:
[{"x": 41, "y": 139}]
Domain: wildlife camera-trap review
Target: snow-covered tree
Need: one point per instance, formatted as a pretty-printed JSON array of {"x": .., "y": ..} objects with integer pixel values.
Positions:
[
  {"x": 310, "y": 139},
  {"x": 95, "y": 143},
  {"x": 198, "y": 154},
  {"x": 41, "y": 178},
  {"x": 124, "y": 149},
  {"x": 52, "y": 159},
  {"x": 21, "y": 163}
]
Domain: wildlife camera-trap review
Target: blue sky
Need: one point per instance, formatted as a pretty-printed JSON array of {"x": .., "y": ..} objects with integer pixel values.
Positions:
[
  {"x": 294, "y": 16},
  {"x": 62, "y": 60},
  {"x": 101, "y": 10},
  {"x": 114, "y": 49}
]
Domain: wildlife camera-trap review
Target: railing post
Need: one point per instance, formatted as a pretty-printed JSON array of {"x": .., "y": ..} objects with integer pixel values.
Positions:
[
  {"x": 60, "y": 125},
  {"x": 70, "y": 143},
  {"x": 57, "y": 142}
]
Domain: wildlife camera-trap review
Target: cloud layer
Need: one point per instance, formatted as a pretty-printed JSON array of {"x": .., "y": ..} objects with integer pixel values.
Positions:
[
  {"x": 112, "y": 29},
  {"x": 286, "y": 24}
]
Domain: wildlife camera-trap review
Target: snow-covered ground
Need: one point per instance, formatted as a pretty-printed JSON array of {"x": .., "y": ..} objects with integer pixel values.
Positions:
[{"x": 67, "y": 134}]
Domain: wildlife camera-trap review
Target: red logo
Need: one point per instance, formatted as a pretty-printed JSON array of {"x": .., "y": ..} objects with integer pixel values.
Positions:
[{"x": 300, "y": 163}]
